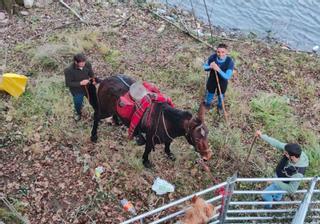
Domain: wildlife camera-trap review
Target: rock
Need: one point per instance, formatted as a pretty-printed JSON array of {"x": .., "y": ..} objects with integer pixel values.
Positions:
[
  {"x": 2, "y": 16},
  {"x": 161, "y": 28},
  {"x": 2, "y": 30},
  {"x": 24, "y": 13},
  {"x": 4, "y": 21},
  {"x": 185, "y": 13},
  {"x": 28, "y": 3},
  {"x": 315, "y": 48}
]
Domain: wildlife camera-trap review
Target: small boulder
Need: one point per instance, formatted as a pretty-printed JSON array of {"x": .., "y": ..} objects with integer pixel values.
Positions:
[
  {"x": 24, "y": 13},
  {"x": 2, "y": 16},
  {"x": 161, "y": 28},
  {"x": 28, "y": 3}
]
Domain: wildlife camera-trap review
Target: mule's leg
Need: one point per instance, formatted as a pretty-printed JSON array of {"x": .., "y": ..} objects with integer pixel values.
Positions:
[
  {"x": 115, "y": 118},
  {"x": 96, "y": 119},
  {"x": 147, "y": 150},
  {"x": 168, "y": 151}
]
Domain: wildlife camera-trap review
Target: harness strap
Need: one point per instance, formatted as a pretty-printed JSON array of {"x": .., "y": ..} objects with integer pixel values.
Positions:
[{"x": 122, "y": 80}]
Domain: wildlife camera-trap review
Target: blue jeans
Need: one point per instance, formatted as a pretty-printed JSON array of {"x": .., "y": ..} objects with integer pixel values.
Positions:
[
  {"x": 78, "y": 102},
  {"x": 272, "y": 196},
  {"x": 210, "y": 97}
]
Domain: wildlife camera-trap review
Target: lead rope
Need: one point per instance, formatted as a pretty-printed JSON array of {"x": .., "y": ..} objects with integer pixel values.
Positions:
[
  {"x": 87, "y": 92},
  {"x": 155, "y": 133},
  {"x": 165, "y": 127}
]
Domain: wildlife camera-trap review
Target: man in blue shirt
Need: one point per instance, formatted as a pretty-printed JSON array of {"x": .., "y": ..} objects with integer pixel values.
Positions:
[{"x": 222, "y": 65}]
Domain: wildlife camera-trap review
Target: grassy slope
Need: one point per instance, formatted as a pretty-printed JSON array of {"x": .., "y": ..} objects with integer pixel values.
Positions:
[{"x": 49, "y": 161}]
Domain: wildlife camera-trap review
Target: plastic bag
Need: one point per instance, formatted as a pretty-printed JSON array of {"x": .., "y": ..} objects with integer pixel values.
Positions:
[{"x": 161, "y": 186}]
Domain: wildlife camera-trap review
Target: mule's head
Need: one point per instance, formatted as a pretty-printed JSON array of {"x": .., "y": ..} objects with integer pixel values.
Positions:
[{"x": 197, "y": 135}]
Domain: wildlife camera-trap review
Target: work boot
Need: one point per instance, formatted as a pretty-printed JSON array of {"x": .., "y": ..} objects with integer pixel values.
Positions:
[
  {"x": 220, "y": 111},
  {"x": 140, "y": 140},
  {"x": 77, "y": 117}
]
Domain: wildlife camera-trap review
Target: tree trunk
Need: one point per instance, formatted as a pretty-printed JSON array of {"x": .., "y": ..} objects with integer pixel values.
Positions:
[{"x": 10, "y": 5}]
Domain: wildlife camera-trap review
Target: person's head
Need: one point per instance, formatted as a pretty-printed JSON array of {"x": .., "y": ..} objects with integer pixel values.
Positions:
[
  {"x": 222, "y": 51},
  {"x": 79, "y": 60},
  {"x": 292, "y": 151}
]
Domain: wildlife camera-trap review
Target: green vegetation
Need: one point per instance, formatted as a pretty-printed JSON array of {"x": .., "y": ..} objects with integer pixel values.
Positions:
[
  {"x": 39, "y": 132},
  {"x": 277, "y": 119}
]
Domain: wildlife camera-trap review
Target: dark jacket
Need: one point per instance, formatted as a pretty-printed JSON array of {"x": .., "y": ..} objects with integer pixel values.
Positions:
[
  {"x": 287, "y": 169},
  {"x": 74, "y": 75}
]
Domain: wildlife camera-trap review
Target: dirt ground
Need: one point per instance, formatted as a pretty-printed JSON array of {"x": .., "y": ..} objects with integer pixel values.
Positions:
[{"x": 48, "y": 173}]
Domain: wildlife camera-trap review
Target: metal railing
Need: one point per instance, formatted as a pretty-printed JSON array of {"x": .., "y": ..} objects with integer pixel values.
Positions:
[{"x": 237, "y": 205}]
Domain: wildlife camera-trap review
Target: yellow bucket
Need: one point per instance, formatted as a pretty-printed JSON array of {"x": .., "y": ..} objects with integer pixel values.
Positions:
[{"x": 13, "y": 84}]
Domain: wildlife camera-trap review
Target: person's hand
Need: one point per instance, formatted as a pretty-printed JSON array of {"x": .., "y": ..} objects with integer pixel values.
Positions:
[
  {"x": 214, "y": 66},
  {"x": 258, "y": 133},
  {"x": 84, "y": 82}
]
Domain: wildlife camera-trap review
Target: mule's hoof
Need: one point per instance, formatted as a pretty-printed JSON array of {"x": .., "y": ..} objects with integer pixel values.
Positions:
[
  {"x": 147, "y": 164},
  {"x": 140, "y": 140},
  {"x": 171, "y": 156},
  {"x": 94, "y": 138}
]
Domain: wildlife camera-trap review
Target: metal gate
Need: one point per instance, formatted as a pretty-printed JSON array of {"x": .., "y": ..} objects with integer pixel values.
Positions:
[{"x": 239, "y": 205}]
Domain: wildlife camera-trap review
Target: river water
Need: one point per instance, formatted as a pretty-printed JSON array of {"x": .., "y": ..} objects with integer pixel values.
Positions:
[{"x": 293, "y": 22}]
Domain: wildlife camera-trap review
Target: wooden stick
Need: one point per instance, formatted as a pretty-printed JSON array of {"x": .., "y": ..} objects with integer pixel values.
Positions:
[
  {"x": 72, "y": 10},
  {"x": 250, "y": 150},
  {"x": 223, "y": 107}
]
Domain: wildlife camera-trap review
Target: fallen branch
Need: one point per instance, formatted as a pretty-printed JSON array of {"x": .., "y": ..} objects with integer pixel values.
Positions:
[
  {"x": 183, "y": 30},
  {"x": 186, "y": 30},
  {"x": 72, "y": 10},
  {"x": 23, "y": 219}
]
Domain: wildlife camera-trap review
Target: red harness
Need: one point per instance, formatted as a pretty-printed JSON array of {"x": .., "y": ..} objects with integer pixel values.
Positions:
[{"x": 133, "y": 111}]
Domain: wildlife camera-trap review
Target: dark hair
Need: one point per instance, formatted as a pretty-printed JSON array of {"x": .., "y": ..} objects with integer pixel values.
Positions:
[
  {"x": 293, "y": 149},
  {"x": 222, "y": 46},
  {"x": 79, "y": 57}
]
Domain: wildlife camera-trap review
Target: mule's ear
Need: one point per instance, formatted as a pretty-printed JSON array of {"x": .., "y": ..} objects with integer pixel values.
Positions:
[
  {"x": 201, "y": 112},
  {"x": 194, "y": 199}
]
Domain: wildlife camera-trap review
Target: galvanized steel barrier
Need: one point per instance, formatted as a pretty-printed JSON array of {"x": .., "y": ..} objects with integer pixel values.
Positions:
[{"x": 238, "y": 205}]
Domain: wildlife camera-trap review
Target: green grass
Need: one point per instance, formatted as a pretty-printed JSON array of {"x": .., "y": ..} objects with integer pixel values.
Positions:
[
  {"x": 112, "y": 57},
  {"x": 274, "y": 114}
]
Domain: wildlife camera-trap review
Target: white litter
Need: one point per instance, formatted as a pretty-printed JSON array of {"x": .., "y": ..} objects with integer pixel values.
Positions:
[{"x": 161, "y": 186}]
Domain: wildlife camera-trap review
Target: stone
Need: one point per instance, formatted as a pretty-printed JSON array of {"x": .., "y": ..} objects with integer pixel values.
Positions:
[
  {"x": 24, "y": 13},
  {"x": 28, "y": 3},
  {"x": 161, "y": 28},
  {"x": 4, "y": 21},
  {"x": 2, "y": 16}
]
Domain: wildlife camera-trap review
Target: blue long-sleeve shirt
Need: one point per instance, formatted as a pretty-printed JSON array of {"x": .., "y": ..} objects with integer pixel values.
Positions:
[{"x": 225, "y": 75}]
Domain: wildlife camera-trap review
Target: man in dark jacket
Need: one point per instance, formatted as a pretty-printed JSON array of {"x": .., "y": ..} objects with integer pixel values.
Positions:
[
  {"x": 77, "y": 77},
  {"x": 293, "y": 164},
  {"x": 222, "y": 65}
]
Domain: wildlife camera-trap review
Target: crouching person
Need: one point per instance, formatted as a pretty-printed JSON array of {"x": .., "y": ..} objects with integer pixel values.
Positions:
[{"x": 293, "y": 164}]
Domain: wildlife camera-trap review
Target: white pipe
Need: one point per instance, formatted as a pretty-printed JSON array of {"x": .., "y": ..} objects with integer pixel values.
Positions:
[
  {"x": 264, "y": 202},
  {"x": 260, "y": 210},
  {"x": 142, "y": 216}
]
